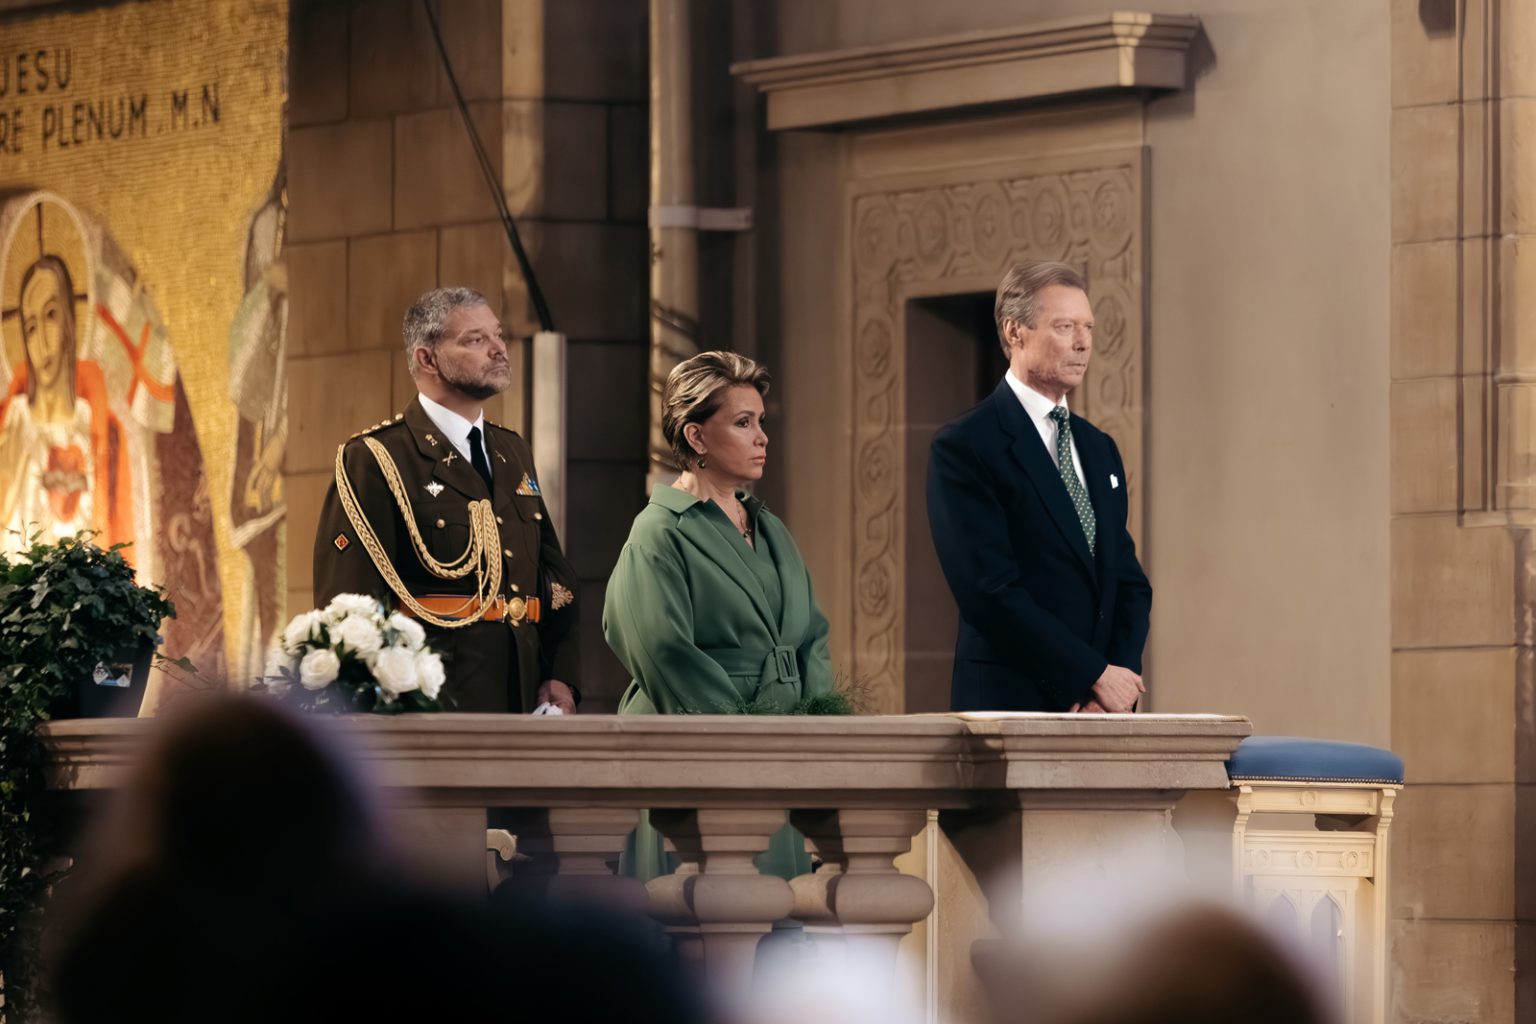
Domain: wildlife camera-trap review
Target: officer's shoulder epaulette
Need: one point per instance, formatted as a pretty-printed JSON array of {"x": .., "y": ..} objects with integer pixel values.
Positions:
[
  {"x": 498, "y": 426},
  {"x": 398, "y": 417}
]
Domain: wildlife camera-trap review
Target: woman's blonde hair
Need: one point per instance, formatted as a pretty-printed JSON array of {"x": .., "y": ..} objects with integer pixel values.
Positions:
[{"x": 696, "y": 387}]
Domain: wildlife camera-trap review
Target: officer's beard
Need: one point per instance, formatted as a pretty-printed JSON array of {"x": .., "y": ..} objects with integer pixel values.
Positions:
[{"x": 487, "y": 384}]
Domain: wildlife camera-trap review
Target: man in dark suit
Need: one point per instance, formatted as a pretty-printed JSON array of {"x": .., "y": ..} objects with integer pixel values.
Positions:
[
  {"x": 1028, "y": 507},
  {"x": 438, "y": 513}
]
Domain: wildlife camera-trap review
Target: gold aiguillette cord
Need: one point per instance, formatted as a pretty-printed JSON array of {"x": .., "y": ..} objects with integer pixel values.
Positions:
[{"x": 482, "y": 556}]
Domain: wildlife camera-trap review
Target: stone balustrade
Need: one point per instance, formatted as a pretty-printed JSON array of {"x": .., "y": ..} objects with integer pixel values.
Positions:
[{"x": 1016, "y": 796}]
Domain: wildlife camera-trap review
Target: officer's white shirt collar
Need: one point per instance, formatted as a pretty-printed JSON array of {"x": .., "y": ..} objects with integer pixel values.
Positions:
[
  {"x": 455, "y": 427},
  {"x": 1039, "y": 408}
]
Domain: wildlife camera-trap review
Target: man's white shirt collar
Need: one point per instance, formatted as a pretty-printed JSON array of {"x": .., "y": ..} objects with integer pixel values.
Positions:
[
  {"x": 453, "y": 426},
  {"x": 1037, "y": 405}
]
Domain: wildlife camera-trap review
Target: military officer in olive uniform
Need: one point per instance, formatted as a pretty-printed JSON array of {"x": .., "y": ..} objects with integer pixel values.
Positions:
[{"x": 438, "y": 513}]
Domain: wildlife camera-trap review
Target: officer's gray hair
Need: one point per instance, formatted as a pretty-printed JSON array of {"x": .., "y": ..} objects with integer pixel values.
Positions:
[
  {"x": 1023, "y": 282},
  {"x": 426, "y": 320}
]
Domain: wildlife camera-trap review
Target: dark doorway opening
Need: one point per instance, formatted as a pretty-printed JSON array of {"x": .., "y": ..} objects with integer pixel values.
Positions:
[{"x": 953, "y": 361}]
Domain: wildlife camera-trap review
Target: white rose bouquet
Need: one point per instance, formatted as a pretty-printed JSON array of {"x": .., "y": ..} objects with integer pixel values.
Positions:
[{"x": 353, "y": 655}]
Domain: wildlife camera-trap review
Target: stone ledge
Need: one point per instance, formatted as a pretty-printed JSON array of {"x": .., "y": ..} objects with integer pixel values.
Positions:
[
  {"x": 945, "y": 760},
  {"x": 1118, "y": 52}
]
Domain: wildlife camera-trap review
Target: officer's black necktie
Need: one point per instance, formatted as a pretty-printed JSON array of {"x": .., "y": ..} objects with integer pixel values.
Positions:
[{"x": 477, "y": 457}]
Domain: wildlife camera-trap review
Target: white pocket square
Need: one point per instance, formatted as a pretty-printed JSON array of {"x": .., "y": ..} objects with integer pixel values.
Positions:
[{"x": 1114, "y": 481}]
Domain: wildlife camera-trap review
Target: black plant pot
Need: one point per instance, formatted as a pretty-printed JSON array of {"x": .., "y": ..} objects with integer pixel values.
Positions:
[{"x": 116, "y": 688}]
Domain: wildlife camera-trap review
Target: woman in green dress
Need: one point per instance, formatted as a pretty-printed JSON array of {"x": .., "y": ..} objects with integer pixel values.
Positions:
[{"x": 710, "y": 607}]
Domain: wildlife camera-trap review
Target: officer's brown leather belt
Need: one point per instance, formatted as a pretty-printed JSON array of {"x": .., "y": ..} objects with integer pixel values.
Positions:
[{"x": 515, "y": 611}]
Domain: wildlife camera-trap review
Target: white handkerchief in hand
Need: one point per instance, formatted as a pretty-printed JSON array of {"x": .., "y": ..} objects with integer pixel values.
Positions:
[
  {"x": 547, "y": 709},
  {"x": 1114, "y": 481}
]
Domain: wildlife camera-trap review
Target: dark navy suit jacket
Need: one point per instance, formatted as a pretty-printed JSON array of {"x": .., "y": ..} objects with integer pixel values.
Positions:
[{"x": 1040, "y": 617}]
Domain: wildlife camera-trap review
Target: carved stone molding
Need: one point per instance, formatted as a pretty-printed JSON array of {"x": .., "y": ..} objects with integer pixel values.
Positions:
[
  {"x": 959, "y": 231},
  {"x": 1125, "y": 51}
]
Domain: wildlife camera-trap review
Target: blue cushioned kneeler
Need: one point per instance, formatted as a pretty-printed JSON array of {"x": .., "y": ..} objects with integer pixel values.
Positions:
[{"x": 1297, "y": 759}]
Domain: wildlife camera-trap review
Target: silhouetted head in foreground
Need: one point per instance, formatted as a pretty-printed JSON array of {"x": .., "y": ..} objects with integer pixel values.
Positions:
[
  {"x": 1192, "y": 965},
  {"x": 238, "y": 834},
  {"x": 240, "y": 795},
  {"x": 242, "y": 880}
]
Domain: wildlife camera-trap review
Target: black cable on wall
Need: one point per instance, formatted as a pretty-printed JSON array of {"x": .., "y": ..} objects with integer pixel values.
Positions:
[{"x": 535, "y": 293}]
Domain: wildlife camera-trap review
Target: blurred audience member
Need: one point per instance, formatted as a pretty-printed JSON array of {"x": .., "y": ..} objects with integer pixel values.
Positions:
[
  {"x": 1191, "y": 965},
  {"x": 243, "y": 880},
  {"x": 238, "y": 836}
]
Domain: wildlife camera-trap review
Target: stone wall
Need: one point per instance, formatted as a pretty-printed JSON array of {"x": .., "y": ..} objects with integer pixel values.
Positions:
[
  {"x": 1338, "y": 470},
  {"x": 387, "y": 202},
  {"x": 1267, "y": 349},
  {"x": 1341, "y": 471},
  {"x": 1461, "y": 445}
]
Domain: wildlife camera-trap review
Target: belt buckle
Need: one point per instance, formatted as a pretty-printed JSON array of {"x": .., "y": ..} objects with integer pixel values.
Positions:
[
  {"x": 514, "y": 611},
  {"x": 788, "y": 664}
]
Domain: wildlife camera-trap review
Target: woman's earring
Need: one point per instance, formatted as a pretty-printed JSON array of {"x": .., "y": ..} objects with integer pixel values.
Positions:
[{"x": 703, "y": 461}]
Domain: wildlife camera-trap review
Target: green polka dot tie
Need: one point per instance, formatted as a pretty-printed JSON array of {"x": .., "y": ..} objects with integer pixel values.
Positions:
[{"x": 1075, "y": 489}]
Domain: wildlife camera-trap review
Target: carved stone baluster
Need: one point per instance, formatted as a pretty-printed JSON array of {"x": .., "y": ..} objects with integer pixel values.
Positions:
[
  {"x": 716, "y": 905},
  {"x": 574, "y": 852},
  {"x": 500, "y": 851},
  {"x": 857, "y": 895}
]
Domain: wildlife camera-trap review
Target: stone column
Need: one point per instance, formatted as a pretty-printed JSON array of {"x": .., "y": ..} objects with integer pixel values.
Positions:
[
  {"x": 857, "y": 903},
  {"x": 1010, "y": 870},
  {"x": 574, "y": 853},
  {"x": 1463, "y": 503},
  {"x": 716, "y": 905},
  {"x": 674, "y": 245}
]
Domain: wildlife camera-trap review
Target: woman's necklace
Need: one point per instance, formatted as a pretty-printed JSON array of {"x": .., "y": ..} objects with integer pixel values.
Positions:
[{"x": 745, "y": 526}]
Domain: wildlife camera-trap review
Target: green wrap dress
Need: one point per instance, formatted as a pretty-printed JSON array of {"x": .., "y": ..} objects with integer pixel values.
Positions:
[{"x": 707, "y": 624}]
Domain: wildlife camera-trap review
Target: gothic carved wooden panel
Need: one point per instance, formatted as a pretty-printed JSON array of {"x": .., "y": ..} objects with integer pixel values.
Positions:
[{"x": 959, "y": 231}]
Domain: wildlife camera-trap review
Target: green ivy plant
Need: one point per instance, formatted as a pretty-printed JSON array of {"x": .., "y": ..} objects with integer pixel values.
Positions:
[{"x": 65, "y": 608}]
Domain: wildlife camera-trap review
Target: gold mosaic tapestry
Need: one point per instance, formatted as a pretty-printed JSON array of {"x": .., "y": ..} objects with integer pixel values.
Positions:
[{"x": 143, "y": 301}]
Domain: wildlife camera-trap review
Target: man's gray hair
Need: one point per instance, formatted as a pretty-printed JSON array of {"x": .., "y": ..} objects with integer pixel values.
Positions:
[
  {"x": 426, "y": 320},
  {"x": 1023, "y": 282}
]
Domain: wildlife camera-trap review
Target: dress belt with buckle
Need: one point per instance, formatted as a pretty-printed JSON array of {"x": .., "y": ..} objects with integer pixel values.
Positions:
[
  {"x": 780, "y": 664},
  {"x": 514, "y": 611}
]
